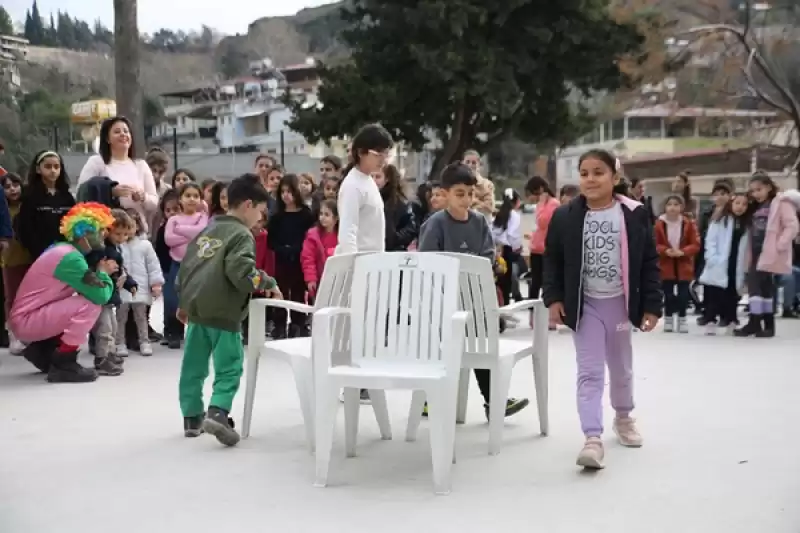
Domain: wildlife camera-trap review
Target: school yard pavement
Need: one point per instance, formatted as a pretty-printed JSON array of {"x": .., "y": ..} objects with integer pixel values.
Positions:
[{"x": 719, "y": 416}]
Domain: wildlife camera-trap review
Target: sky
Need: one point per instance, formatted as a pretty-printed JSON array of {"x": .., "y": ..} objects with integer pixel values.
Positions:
[{"x": 228, "y": 16}]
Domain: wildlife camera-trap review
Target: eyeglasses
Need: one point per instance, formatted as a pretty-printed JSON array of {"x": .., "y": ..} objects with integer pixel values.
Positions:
[{"x": 384, "y": 153}]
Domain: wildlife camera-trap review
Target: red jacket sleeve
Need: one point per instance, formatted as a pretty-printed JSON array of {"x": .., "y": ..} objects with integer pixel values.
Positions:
[
  {"x": 692, "y": 247},
  {"x": 308, "y": 261},
  {"x": 662, "y": 243}
]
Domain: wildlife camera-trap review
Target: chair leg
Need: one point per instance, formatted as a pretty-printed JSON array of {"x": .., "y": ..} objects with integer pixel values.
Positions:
[
  {"x": 441, "y": 417},
  {"x": 463, "y": 395},
  {"x": 351, "y": 412},
  {"x": 541, "y": 381},
  {"x": 327, "y": 402},
  {"x": 381, "y": 408},
  {"x": 501, "y": 383},
  {"x": 253, "y": 357},
  {"x": 415, "y": 415},
  {"x": 304, "y": 381}
]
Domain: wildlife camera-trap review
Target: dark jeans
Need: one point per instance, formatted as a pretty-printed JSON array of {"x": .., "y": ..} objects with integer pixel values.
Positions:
[
  {"x": 293, "y": 286},
  {"x": 676, "y": 297},
  {"x": 173, "y": 329},
  {"x": 536, "y": 274},
  {"x": 720, "y": 303}
]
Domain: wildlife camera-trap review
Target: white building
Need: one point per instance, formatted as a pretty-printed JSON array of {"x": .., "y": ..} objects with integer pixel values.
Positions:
[
  {"x": 663, "y": 129},
  {"x": 12, "y": 50}
]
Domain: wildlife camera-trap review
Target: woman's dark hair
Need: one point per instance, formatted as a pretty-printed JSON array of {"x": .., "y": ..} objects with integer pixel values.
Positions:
[
  {"x": 293, "y": 184},
  {"x": 170, "y": 196},
  {"x": 392, "y": 191},
  {"x": 510, "y": 200},
  {"x": 763, "y": 178},
  {"x": 105, "y": 133},
  {"x": 370, "y": 137},
  {"x": 538, "y": 185},
  {"x": 621, "y": 188},
  {"x": 188, "y": 173},
  {"x": 333, "y": 208},
  {"x": 687, "y": 188},
  {"x": 36, "y": 185},
  {"x": 216, "y": 193},
  {"x": 423, "y": 191}
]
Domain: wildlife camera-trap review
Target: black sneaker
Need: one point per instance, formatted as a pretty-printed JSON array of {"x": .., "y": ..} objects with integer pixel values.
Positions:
[
  {"x": 116, "y": 359},
  {"x": 174, "y": 344},
  {"x": 363, "y": 396},
  {"x": 65, "y": 369},
  {"x": 218, "y": 424},
  {"x": 105, "y": 367},
  {"x": 193, "y": 426},
  {"x": 513, "y": 406},
  {"x": 153, "y": 335},
  {"x": 164, "y": 342}
]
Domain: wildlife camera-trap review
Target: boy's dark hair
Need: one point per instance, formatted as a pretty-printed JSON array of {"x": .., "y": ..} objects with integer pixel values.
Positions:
[
  {"x": 457, "y": 174},
  {"x": 568, "y": 190},
  {"x": 186, "y": 171},
  {"x": 170, "y": 196},
  {"x": 293, "y": 184},
  {"x": 371, "y": 137},
  {"x": 538, "y": 185},
  {"x": 764, "y": 179},
  {"x": 334, "y": 161},
  {"x": 435, "y": 184},
  {"x": 246, "y": 187},
  {"x": 35, "y": 183},
  {"x": 105, "y": 133},
  {"x": 216, "y": 203}
]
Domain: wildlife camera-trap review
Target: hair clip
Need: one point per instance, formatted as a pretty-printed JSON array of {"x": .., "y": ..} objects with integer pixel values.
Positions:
[{"x": 509, "y": 193}]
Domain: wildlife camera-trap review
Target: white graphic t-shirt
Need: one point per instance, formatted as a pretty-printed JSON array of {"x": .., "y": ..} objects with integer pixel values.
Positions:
[{"x": 602, "y": 253}]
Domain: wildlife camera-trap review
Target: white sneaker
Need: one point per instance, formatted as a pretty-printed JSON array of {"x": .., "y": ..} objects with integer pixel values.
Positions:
[
  {"x": 683, "y": 325},
  {"x": 122, "y": 350},
  {"x": 711, "y": 329},
  {"x": 669, "y": 324},
  {"x": 146, "y": 349},
  {"x": 16, "y": 347}
]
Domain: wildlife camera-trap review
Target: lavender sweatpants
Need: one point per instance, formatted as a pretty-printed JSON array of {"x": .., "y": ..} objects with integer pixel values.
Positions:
[{"x": 603, "y": 338}]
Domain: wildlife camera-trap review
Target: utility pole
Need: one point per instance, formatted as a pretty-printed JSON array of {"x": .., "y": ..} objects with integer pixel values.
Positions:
[{"x": 126, "y": 69}]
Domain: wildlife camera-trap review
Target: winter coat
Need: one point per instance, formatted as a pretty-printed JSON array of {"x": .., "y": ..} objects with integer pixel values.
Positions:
[
  {"x": 544, "y": 212},
  {"x": 401, "y": 227},
  {"x": 677, "y": 268},
  {"x": 142, "y": 264},
  {"x": 315, "y": 252},
  {"x": 483, "y": 200},
  {"x": 563, "y": 261},
  {"x": 99, "y": 189},
  {"x": 718, "y": 252},
  {"x": 782, "y": 228}
]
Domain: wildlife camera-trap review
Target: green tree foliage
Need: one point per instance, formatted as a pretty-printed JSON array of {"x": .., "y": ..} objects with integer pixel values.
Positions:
[
  {"x": 6, "y": 24},
  {"x": 471, "y": 72}
]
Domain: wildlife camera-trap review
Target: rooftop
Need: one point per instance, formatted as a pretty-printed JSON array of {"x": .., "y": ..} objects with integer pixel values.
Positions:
[{"x": 668, "y": 110}]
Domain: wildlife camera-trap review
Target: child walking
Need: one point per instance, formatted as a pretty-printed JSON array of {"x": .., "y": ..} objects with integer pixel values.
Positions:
[
  {"x": 16, "y": 259},
  {"x": 599, "y": 290},
  {"x": 286, "y": 232},
  {"x": 215, "y": 281},
  {"x": 724, "y": 268},
  {"x": 773, "y": 227},
  {"x": 677, "y": 244},
  {"x": 142, "y": 265},
  {"x": 459, "y": 229},
  {"x": 507, "y": 234},
  {"x": 320, "y": 244},
  {"x": 180, "y": 229}
]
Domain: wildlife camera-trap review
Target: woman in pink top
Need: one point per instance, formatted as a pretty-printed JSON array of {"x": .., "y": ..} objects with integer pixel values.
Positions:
[
  {"x": 538, "y": 192},
  {"x": 137, "y": 188},
  {"x": 178, "y": 233}
]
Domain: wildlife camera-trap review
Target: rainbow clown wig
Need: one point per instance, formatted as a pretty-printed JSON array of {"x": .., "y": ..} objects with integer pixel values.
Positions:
[{"x": 85, "y": 219}]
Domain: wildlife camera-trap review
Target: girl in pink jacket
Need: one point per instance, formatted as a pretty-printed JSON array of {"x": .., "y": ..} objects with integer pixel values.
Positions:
[
  {"x": 179, "y": 231},
  {"x": 539, "y": 192},
  {"x": 773, "y": 227},
  {"x": 320, "y": 243}
]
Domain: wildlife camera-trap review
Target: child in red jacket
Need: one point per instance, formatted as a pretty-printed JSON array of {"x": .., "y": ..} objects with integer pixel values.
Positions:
[
  {"x": 677, "y": 243},
  {"x": 320, "y": 243}
]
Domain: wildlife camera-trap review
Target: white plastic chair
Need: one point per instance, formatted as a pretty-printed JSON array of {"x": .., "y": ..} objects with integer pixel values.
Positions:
[
  {"x": 406, "y": 333},
  {"x": 485, "y": 348},
  {"x": 333, "y": 291}
]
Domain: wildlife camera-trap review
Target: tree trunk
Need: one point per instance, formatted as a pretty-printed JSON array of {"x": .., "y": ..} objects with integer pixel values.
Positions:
[
  {"x": 126, "y": 69},
  {"x": 454, "y": 146}
]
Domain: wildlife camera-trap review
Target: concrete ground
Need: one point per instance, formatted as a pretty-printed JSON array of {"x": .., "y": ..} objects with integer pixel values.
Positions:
[{"x": 718, "y": 416}]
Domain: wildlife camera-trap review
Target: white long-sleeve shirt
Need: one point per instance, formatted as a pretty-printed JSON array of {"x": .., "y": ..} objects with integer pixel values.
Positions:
[
  {"x": 512, "y": 235},
  {"x": 362, "y": 226}
]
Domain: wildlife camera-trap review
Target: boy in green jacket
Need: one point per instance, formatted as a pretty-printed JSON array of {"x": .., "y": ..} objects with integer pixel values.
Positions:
[{"x": 217, "y": 276}]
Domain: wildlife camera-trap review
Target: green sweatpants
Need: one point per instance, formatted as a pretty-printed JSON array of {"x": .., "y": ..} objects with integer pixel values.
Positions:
[{"x": 203, "y": 342}]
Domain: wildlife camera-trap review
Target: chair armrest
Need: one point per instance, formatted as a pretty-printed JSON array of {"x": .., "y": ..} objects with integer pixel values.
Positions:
[
  {"x": 321, "y": 337},
  {"x": 524, "y": 305},
  {"x": 458, "y": 335},
  {"x": 283, "y": 304}
]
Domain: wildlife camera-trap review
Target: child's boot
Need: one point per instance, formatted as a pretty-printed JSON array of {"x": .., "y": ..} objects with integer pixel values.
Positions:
[
  {"x": 669, "y": 324},
  {"x": 592, "y": 454},
  {"x": 106, "y": 367},
  {"x": 66, "y": 369},
  {"x": 683, "y": 325},
  {"x": 769, "y": 326},
  {"x": 219, "y": 425},
  {"x": 753, "y": 327},
  {"x": 193, "y": 426}
]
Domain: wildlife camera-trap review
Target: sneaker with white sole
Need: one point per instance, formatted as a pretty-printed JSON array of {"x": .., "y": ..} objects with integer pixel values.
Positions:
[
  {"x": 628, "y": 435},
  {"x": 592, "y": 454},
  {"x": 16, "y": 347},
  {"x": 683, "y": 325},
  {"x": 711, "y": 329},
  {"x": 122, "y": 350},
  {"x": 146, "y": 349},
  {"x": 669, "y": 324}
]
